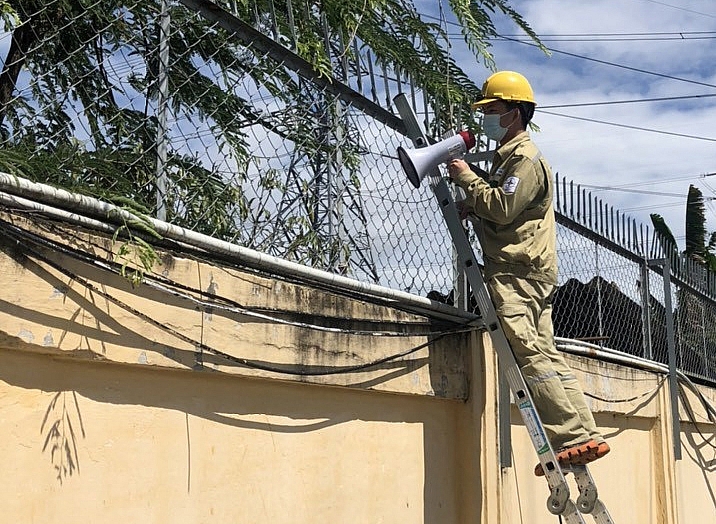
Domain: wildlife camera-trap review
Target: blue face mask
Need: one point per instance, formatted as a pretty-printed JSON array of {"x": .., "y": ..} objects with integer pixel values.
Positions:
[{"x": 492, "y": 128}]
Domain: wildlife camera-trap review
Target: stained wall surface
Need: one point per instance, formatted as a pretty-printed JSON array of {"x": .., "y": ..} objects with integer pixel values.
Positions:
[{"x": 243, "y": 397}]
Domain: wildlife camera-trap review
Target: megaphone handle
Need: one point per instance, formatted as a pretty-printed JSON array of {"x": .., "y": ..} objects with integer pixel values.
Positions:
[{"x": 473, "y": 219}]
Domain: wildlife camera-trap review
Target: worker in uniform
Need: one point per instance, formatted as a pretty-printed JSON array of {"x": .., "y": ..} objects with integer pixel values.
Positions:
[{"x": 518, "y": 237}]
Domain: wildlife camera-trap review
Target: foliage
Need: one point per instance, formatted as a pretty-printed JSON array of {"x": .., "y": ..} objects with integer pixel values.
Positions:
[
  {"x": 664, "y": 232},
  {"x": 400, "y": 39},
  {"x": 696, "y": 235},
  {"x": 79, "y": 125},
  {"x": 697, "y": 247}
]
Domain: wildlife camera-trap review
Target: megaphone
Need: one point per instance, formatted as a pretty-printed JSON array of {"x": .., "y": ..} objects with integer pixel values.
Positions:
[{"x": 417, "y": 163}]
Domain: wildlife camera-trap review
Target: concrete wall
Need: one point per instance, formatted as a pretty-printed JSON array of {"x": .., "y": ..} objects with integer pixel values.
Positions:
[
  {"x": 132, "y": 404},
  {"x": 108, "y": 443}
]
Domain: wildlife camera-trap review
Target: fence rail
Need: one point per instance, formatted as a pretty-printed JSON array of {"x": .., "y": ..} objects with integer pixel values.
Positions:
[{"x": 205, "y": 115}]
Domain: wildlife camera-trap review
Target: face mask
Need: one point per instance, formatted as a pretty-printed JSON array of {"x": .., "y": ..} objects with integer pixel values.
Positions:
[{"x": 492, "y": 128}]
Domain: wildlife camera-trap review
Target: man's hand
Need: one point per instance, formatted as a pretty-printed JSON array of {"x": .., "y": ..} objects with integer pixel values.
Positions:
[{"x": 456, "y": 167}]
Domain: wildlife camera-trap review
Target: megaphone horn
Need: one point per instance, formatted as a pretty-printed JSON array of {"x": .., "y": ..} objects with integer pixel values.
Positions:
[{"x": 417, "y": 163}]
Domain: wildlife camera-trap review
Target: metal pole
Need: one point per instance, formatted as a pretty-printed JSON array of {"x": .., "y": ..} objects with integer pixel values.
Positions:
[
  {"x": 336, "y": 190},
  {"x": 600, "y": 306},
  {"x": 163, "y": 91},
  {"x": 460, "y": 290},
  {"x": 646, "y": 311},
  {"x": 673, "y": 381}
]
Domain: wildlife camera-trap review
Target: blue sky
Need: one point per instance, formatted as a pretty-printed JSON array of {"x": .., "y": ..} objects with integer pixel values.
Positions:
[{"x": 649, "y": 42}]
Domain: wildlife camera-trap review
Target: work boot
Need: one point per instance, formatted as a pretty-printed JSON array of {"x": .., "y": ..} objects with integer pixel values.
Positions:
[{"x": 578, "y": 455}]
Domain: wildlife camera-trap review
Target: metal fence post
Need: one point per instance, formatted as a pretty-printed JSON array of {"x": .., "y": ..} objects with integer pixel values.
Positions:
[
  {"x": 600, "y": 306},
  {"x": 162, "y": 105},
  {"x": 670, "y": 337},
  {"x": 460, "y": 289},
  {"x": 646, "y": 311}
]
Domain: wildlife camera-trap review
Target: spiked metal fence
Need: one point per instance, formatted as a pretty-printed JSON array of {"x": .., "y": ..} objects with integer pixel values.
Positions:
[
  {"x": 632, "y": 290},
  {"x": 204, "y": 114}
]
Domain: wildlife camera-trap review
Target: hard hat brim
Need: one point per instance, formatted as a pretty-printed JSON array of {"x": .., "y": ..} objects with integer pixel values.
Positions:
[{"x": 484, "y": 102}]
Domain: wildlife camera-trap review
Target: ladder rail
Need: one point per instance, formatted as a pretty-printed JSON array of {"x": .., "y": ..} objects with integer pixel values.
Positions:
[{"x": 558, "y": 502}]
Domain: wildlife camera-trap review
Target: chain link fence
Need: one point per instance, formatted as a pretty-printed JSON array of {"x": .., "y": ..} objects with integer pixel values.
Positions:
[
  {"x": 190, "y": 112},
  {"x": 619, "y": 283},
  {"x": 203, "y": 114}
]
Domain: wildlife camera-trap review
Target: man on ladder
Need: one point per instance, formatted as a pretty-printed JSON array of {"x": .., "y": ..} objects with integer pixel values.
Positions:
[{"x": 518, "y": 238}]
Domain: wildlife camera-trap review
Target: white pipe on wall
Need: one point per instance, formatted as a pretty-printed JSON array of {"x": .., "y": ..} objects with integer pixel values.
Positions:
[{"x": 37, "y": 195}]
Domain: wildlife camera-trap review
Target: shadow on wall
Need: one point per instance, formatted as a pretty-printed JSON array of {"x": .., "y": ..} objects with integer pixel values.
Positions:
[
  {"x": 700, "y": 446},
  {"x": 288, "y": 408},
  {"x": 61, "y": 435}
]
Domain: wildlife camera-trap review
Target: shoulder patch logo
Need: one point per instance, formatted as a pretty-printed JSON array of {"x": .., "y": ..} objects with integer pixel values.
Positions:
[{"x": 510, "y": 185}]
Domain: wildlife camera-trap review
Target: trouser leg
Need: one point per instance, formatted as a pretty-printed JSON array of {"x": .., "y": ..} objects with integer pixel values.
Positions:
[
  {"x": 546, "y": 345},
  {"x": 525, "y": 313}
]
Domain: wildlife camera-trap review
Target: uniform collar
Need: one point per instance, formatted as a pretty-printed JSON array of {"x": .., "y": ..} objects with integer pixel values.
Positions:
[{"x": 509, "y": 146}]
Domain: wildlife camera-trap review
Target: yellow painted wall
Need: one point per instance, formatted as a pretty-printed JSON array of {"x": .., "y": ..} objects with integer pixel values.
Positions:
[
  {"x": 184, "y": 447},
  {"x": 108, "y": 416}
]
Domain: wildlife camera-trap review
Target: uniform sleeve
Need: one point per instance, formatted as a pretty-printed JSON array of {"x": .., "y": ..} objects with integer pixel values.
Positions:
[{"x": 502, "y": 204}]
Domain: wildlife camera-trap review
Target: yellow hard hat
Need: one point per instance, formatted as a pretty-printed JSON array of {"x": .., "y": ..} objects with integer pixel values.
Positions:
[{"x": 505, "y": 85}]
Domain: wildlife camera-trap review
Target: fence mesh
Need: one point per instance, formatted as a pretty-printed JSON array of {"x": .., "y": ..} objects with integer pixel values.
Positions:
[
  {"x": 204, "y": 115},
  {"x": 604, "y": 287},
  {"x": 618, "y": 285},
  {"x": 203, "y": 125}
]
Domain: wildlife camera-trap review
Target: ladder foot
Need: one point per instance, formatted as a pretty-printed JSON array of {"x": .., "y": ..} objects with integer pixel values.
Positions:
[
  {"x": 586, "y": 502},
  {"x": 558, "y": 499}
]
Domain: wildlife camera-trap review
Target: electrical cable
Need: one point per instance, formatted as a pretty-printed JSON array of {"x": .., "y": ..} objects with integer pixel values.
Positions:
[
  {"x": 23, "y": 238},
  {"x": 592, "y": 350},
  {"x": 614, "y": 64},
  {"x": 214, "y": 249},
  {"x": 680, "y": 8},
  {"x": 710, "y": 410},
  {"x": 677, "y": 35},
  {"x": 629, "y": 399},
  {"x": 165, "y": 285},
  {"x": 627, "y": 190},
  {"x": 652, "y": 182},
  {"x": 692, "y": 417},
  {"x": 653, "y": 206},
  {"x": 610, "y": 37},
  {"x": 627, "y": 126},
  {"x": 635, "y": 101}
]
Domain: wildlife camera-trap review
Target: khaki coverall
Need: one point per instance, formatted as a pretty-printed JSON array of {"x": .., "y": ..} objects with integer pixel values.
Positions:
[{"x": 518, "y": 238}]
